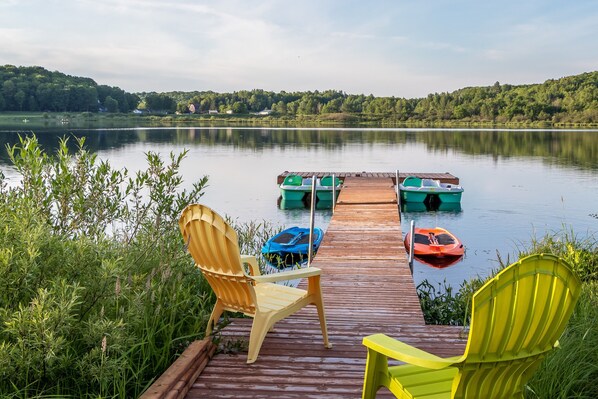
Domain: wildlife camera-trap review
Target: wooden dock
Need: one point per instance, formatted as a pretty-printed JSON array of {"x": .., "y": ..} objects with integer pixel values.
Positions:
[{"x": 367, "y": 288}]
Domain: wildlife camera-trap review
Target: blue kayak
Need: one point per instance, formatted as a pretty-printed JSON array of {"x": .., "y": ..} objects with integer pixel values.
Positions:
[{"x": 290, "y": 246}]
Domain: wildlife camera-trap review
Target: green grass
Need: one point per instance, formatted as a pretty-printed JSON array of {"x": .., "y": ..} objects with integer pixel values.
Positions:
[{"x": 572, "y": 370}]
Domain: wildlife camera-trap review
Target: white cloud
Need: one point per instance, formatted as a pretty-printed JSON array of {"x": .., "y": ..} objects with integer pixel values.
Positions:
[{"x": 143, "y": 45}]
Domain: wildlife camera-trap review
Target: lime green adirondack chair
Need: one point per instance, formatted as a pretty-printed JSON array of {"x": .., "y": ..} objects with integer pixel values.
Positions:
[
  {"x": 517, "y": 318},
  {"x": 214, "y": 245}
]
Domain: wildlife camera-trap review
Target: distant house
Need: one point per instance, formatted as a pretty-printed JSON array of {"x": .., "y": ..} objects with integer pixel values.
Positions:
[
  {"x": 193, "y": 108},
  {"x": 265, "y": 111},
  {"x": 137, "y": 111},
  {"x": 213, "y": 111}
]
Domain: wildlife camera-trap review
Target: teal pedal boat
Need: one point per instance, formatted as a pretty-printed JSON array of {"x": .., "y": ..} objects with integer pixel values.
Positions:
[
  {"x": 295, "y": 187},
  {"x": 414, "y": 189}
]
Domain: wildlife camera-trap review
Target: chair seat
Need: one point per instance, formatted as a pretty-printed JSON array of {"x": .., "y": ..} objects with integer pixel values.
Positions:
[
  {"x": 424, "y": 383},
  {"x": 274, "y": 297}
]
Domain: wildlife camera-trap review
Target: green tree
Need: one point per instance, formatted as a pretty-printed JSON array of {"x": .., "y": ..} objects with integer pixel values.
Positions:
[
  {"x": 308, "y": 105},
  {"x": 111, "y": 104},
  {"x": 239, "y": 107},
  {"x": 352, "y": 104},
  {"x": 333, "y": 106}
]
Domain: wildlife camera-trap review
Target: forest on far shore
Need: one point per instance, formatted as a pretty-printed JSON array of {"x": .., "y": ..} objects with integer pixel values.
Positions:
[{"x": 571, "y": 99}]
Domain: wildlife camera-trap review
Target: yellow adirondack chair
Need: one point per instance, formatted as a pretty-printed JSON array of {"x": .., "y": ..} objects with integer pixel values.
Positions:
[
  {"x": 213, "y": 243},
  {"x": 517, "y": 318}
]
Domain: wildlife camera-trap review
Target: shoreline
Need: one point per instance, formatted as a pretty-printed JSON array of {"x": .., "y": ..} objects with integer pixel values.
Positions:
[{"x": 62, "y": 120}]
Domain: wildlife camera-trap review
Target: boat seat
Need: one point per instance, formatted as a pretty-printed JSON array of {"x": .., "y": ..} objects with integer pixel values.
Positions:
[
  {"x": 412, "y": 181},
  {"x": 284, "y": 238},
  {"x": 421, "y": 239},
  {"x": 327, "y": 181},
  {"x": 304, "y": 239},
  {"x": 444, "y": 239},
  {"x": 293, "y": 180}
]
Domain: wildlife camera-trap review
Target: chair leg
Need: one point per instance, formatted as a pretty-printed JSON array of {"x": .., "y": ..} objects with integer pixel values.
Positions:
[
  {"x": 315, "y": 291},
  {"x": 322, "y": 316},
  {"x": 375, "y": 366},
  {"x": 259, "y": 329},
  {"x": 215, "y": 316}
]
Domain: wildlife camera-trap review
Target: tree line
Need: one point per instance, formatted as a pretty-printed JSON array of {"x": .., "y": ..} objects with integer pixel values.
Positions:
[
  {"x": 37, "y": 89},
  {"x": 572, "y": 99}
]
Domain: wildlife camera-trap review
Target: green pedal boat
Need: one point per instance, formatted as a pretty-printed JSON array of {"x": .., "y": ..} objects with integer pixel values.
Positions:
[
  {"x": 414, "y": 189},
  {"x": 295, "y": 187}
]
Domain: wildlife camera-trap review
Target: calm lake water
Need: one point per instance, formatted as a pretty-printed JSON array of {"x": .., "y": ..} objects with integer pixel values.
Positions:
[{"x": 518, "y": 183}]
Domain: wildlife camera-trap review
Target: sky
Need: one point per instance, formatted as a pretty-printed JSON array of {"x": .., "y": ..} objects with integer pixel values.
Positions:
[{"x": 401, "y": 48}]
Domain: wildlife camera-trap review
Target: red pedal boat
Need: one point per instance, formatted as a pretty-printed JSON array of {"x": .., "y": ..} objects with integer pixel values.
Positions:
[{"x": 435, "y": 242}]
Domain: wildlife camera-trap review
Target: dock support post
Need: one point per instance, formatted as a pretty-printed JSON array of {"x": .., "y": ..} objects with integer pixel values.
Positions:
[
  {"x": 310, "y": 252},
  {"x": 398, "y": 192},
  {"x": 333, "y": 192},
  {"x": 411, "y": 244}
]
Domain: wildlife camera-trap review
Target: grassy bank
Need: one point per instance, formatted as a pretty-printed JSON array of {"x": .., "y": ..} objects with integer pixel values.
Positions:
[
  {"x": 568, "y": 372},
  {"x": 87, "y": 120}
]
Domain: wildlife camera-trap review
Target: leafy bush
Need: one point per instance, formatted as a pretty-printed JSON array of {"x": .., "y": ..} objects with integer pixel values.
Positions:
[
  {"x": 96, "y": 293},
  {"x": 441, "y": 306},
  {"x": 580, "y": 252}
]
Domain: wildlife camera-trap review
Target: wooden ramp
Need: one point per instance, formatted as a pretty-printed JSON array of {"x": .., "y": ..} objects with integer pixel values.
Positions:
[{"x": 367, "y": 288}]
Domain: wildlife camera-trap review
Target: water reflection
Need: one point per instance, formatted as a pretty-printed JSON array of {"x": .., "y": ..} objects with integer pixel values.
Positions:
[
  {"x": 430, "y": 207},
  {"x": 568, "y": 148},
  {"x": 439, "y": 263}
]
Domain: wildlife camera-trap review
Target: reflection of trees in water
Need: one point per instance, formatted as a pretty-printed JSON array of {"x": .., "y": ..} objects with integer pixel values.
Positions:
[
  {"x": 574, "y": 148},
  {"x": 94, "y": 140}
]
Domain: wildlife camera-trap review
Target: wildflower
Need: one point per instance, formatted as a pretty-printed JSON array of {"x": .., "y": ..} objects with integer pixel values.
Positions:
[{"x": 117, "y": 287}]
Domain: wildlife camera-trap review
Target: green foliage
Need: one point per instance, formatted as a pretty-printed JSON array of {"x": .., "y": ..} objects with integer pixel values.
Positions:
[
  {"x": 96, "y": 294},
  {"x": 568, "y": 100},
  {"x": 37, "y": 89},
  {"x": 581, "y": 253},
  {"x": 441, "y": 305},
  {"x": 160, "y": 103},
  {"x": 571, "y": 371}
]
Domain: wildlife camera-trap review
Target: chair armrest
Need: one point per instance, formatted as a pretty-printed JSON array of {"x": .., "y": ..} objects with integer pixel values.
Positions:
[
  {"x": 398, "y": 350},
  {"x": 254, "y": 269},
  {"x": 288, "y": 275}
]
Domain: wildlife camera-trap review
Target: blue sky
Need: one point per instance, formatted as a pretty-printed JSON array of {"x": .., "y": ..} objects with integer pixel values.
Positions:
[{"x": 387, "y": 48}]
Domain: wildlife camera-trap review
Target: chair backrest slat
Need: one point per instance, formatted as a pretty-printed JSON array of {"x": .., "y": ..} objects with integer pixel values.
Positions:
[
  {"x": 517, "y": 317},
  {"x": 213, "y": 243}
]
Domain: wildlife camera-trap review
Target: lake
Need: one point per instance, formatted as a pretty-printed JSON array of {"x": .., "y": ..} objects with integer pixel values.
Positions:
[{"x": 518, "y": 184}]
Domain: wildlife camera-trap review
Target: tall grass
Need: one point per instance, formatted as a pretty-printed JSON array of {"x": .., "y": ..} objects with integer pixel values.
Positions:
[
  {"x": 97, "y": 295},
  {"x": 572, "y": 370}
]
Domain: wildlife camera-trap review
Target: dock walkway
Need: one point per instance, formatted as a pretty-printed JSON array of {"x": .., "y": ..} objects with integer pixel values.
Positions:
[{"x": 367, "y": 288}]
